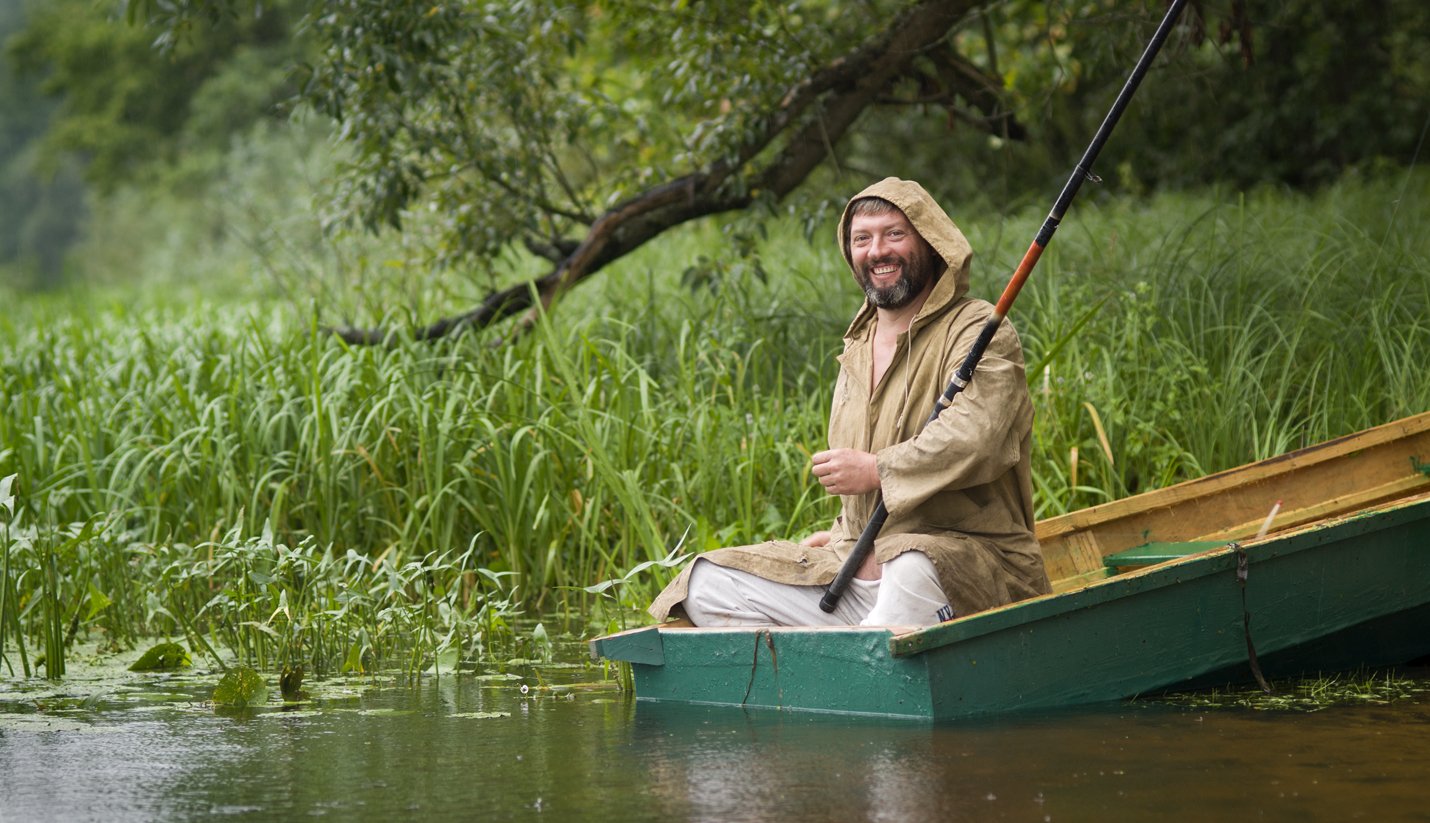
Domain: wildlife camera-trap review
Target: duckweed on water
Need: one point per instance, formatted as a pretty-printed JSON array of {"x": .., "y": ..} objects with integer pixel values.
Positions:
[
  {"x": 101, "y": 689},
  {"x": 1309, "y": 694}
]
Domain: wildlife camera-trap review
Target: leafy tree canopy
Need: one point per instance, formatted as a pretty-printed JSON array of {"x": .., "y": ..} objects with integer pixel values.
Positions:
[
  {"x": 580, "y": 130},
  {"x": 126, "y": 106}
]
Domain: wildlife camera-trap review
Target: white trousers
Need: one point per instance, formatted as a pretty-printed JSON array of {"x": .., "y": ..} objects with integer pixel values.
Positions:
[{"x": 907, "y": 595}]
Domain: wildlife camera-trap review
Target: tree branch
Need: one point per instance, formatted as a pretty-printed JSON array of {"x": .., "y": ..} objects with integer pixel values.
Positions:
[{"x": 813, "y": 115}]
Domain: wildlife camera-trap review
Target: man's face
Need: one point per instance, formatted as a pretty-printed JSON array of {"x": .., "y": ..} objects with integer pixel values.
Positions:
[{"x": 891, "y": 261}]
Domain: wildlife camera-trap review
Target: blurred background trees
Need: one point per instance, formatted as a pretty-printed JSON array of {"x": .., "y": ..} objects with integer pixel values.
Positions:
[{"x": 493, "y": 136}]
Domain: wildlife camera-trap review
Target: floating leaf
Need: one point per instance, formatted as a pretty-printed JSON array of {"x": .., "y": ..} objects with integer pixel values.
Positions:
[
  {"x": 241, "y": 688},
  {"x": 164, "y": 657},
  {"x": 446, "y": 660}
]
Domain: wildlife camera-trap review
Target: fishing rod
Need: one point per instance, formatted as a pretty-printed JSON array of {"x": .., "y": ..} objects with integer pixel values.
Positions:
[{"x": 964, "y": 372}]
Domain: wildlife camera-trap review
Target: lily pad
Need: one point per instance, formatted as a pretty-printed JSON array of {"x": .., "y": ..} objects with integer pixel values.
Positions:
[
  {"x": 241, "y": 688},
  {"x": 163, "y": 657}
]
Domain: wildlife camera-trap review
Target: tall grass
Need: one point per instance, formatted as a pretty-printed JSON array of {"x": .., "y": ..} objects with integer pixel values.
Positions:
[
  {"x": 1236, "y": 327},
  {"x": 1172, "y": 337}
]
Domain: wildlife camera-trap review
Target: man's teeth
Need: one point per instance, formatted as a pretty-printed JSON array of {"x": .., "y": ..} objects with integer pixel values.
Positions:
[{"x": 889, "y": 269}]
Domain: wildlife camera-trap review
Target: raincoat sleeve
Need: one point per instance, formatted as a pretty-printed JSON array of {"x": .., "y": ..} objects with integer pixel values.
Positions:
[{"x": 975, "y": 440}]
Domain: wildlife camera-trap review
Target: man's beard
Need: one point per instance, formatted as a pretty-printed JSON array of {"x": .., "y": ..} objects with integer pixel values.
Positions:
[{"x": 914, "y": 274}]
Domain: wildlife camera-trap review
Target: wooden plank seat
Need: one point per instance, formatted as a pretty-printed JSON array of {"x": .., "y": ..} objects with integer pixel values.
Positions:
[{"x": 1155, "y": 552}]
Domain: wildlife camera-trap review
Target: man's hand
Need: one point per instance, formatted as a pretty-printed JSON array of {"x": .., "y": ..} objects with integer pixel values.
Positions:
[
  {"x": 817, "y": 539},
  {"x": 847, "y": 471}
]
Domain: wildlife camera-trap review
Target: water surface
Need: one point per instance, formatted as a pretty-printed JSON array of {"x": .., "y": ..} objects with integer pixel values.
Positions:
[{"x": 459, "y": 747}]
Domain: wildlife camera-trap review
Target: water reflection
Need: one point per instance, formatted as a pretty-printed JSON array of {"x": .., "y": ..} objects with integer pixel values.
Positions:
[
  {"x": 461, "y": 749},
  {"x": 1127, "y": 762}
]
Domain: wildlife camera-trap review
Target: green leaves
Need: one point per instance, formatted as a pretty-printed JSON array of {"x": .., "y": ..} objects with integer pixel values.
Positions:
[
  {"x": 128, "y": 96},
  {"x": 240, "y": 688},
  {"x": 162, "y": 657},
  {"x": 7, "y": 498}
]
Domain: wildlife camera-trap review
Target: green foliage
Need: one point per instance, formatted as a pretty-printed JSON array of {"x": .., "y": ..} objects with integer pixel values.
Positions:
[
  {"x": 1226, "y": 330},
  {"x": 272, "y": 606},
  {"x": 7, "y": 497},
  {"x": 1261, "y": 91},
  {"x": 162, "y": 657},
  {"x": 523, "y": 121},
  {"x": 480, "y": 128},
  {"x": 7, "y": 501},
  {"x": 125, "y": 106},
  {"x": 90, "y": 100},
  {"x": 240, "y": 688},
  {"x": 40, "y": 209},
  {"x": 1244, "y": 328},
  {"x": 56, "y": 579}
]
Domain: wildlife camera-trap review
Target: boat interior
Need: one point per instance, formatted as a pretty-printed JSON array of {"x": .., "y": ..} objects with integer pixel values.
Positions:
[{"x": 1282, "y": 493}]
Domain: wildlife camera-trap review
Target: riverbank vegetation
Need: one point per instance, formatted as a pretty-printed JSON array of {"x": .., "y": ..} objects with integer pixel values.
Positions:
[
  {"x": 228, "y": 471},
  {"x": 197, "y": 455}
]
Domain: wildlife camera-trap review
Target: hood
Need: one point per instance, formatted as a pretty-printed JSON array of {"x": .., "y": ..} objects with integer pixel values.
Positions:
[{"x": 930, "y": 221}]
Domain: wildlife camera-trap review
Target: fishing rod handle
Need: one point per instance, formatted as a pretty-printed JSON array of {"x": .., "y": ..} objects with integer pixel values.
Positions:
[{"x": 861, "y": 549}]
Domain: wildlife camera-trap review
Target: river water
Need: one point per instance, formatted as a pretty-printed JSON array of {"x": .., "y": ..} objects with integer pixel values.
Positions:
[{"x": 568, "y": 746}]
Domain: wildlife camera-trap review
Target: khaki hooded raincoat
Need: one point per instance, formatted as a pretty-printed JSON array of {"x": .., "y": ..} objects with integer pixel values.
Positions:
[{"x": 960, "y": 490}]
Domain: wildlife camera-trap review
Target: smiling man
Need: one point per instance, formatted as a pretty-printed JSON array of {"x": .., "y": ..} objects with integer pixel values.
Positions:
[{"x": 959, "y": 537}]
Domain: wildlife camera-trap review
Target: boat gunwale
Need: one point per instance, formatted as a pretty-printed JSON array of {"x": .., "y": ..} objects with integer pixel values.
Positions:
[
  {"x": 1164, "y": 574},
  {"x": 907, "y": 642},
  {"x": 1232, "y": 478}
]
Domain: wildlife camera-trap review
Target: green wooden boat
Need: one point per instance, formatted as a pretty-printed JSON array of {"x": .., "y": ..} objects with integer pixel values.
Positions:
[{"x": 1312, "y": 562}]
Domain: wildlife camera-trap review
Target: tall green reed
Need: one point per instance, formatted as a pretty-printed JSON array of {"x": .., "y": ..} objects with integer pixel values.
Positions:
[
  {"x": 1181, "y": 334},
  {"x": 256, "y": 601},
  {"x": 1236, "y": 327},
  {"x": 7, "y": 503}
]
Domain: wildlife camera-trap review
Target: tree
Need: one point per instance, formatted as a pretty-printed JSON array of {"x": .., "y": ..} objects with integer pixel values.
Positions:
[
  {"x": 125, "y": 108},
  {"x": 578, "y": 132},
  {"x": 40, "y": 208}
]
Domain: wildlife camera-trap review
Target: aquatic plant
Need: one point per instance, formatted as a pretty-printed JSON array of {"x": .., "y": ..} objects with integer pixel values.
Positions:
[
  {"x": 240, "y": 688},
  {"x": 1307, "y": 694},
  {"x": 7, "y": 503},
  {"x": 162, "y": 657},
  {"x": 271, "y": 606},
  {"x": 278, "y": 497}
]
